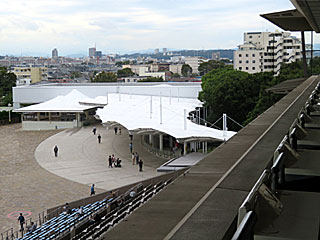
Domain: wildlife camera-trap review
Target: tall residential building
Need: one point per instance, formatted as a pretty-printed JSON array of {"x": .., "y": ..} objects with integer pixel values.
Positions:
[
  {"x": 266, "y": 51},
  {"x": 92, "y": 52},
  {"x": 156, "y": 51},
  {"x": 54, "y": 53}
]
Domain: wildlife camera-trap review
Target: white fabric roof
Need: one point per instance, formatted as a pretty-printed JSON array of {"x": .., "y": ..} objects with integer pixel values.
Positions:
[
  {"x": 67, "y": 103},
  {"x": 133, "y": 112}
]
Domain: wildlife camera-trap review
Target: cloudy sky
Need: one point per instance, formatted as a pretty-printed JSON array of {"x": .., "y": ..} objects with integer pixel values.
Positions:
[{"x": 119, "y": 26}]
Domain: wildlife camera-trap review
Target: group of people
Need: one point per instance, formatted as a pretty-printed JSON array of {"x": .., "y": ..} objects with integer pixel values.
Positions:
[
  {"x": 30, "y": 228},
  {"x": 137, "y": 160},
  {"x": 113, "y": 162}
]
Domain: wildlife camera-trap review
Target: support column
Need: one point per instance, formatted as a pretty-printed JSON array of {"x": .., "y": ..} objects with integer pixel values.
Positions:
[
  {"x": 78, "y": 119},
  {"x": 38, "y": 116},
  {"x": 185, "y": 144},
  {"x": 161, "y": 142},
  {"x": 150, "y": 139},
  {"x": 50, "y": 116},
  {"x": 304, "y": 58}
]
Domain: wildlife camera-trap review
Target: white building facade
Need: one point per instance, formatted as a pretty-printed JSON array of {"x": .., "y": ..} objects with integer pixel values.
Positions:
[{"x": 266, "y": 51}]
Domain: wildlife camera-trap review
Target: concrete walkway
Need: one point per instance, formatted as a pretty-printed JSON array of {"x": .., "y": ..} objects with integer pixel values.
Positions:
[{"x": 82, "y": 159}]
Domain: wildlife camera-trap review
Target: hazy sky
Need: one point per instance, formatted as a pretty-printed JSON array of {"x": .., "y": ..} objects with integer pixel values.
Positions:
[{"x": 118, "y": 26}]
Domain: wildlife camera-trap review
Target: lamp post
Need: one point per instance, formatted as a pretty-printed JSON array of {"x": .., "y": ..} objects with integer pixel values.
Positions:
[{"x": 9, "y": 105}]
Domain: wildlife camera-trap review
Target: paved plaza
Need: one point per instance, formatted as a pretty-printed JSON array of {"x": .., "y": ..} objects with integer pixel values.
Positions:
[{"x": 33, "y": 180}]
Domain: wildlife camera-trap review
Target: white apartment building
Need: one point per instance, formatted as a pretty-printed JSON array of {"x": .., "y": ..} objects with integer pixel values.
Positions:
[
  {"x": 266, "y": 51},
  {"x": 194, "y": 63},
  {"x": 175, "y": 68}
]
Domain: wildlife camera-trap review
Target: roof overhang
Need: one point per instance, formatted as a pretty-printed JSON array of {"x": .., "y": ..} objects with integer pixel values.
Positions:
[
  {"x": 306, "y": 16},
  {"x": 47, "y": 111},
  {"x": 291, "y": 20},
  {"x": 286, "y": 86}
]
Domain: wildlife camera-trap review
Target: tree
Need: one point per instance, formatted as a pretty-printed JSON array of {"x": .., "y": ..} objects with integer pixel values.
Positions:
[
  {"x": 105, "y": 77},
  {"x": 206, "y": 67},
  {"x": 119, "y": 64},
  {"x": 176, "y": 75},
  {"x": 126, "y": 72},
  {"x": 7, "y": 81},
  {"x": 229, "y": 91},
  {"x": 186, "y": 70},
  {"x": 152, "y": 79}
]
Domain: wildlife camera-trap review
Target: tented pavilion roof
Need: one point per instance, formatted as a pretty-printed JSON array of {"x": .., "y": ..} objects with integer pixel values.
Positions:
[
  {"x": 67, "y": 103},
  {"x": 142, "y": 114}
]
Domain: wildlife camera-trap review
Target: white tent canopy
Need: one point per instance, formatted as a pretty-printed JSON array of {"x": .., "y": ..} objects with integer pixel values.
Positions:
[
  {"x": 67, "y": 103},
  {"x": 137, "y": 114}
]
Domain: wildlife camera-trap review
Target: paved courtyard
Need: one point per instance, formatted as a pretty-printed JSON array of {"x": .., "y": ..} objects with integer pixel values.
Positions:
[{"x": 27, "y": 186}]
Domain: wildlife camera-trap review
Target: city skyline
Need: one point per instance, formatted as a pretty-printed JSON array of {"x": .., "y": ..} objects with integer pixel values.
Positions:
[{"x": 35, "y": 27}]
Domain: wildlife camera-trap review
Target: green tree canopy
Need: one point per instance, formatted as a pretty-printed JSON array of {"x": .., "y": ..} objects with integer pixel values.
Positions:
[
  {"x": 152, "y": 79},
  {"x": 126, "y": 72},
  {"x": 229, "y": 91},
  {"x": 206, "y": 67},
  {"x": 186, "y": 70},
  {"x": 105, "y": 77},
  {"x": 7, "y": 81}
]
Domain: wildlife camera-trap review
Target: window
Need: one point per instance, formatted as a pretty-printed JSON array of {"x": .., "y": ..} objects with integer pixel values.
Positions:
[
  {"x": 247, "y": 68},
  {"x": 240, "y": 61},
  {"x": 240, "y": 55},
  {"x": 240, "y": 68},
  {"x": 247, "y": 55},
  {"x": 250, "y": 36},
  {"x": 253, "y": 68},
  {"x": 253, "y": 55},
  {"x": 253, "y": 61},
  {"x": 247, "y": 61}
]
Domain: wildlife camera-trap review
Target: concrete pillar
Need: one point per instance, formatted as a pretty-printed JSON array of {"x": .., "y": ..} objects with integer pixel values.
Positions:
[
  {"x": 161, "y": 142},
  {"x": 150, "y": 139},
  {"x": 304, "y": 58},
  {"x": 185, "y": 144},
  {"x": 50, "y": 116},
  {"x": 38, "y": 116},
  {"x": 78, "y": 119}
]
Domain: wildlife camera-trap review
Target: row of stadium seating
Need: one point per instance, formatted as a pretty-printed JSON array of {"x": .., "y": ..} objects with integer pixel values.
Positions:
[
  {"x": 113, "y": 217},
  {"x": 112, "y": 210}
]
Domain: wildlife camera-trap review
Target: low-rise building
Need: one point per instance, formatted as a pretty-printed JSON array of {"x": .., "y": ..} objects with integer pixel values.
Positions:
[{"x": 35, "y": 74}]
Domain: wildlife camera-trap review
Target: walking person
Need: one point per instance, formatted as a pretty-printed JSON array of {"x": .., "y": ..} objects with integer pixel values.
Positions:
[
  {"x": 92, "y": 191},
  {"x": 130, "y": 146},
  {"x": 21, "y": 220},
  {"x": 110, "y": 161},
  {"x": 137, "y": 158},
  {"x": 99, "y": 138},
  {"x": 140, "y": 165},
  {"x": 94, "y": 130},
  {"x": 133, "y": 157},
  {"x": 55, "y": 149}
]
